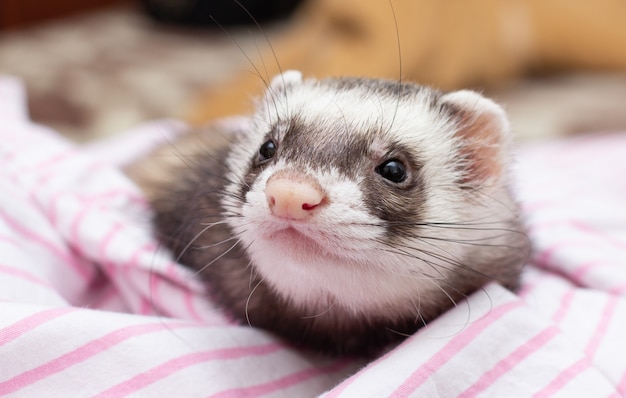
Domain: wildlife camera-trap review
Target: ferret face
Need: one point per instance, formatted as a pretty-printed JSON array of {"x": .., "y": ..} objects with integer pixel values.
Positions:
[{"x": 347, "y": 191}]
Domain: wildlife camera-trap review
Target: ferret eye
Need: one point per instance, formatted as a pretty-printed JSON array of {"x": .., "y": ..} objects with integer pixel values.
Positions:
[
  {"x": 267, "y": 151},
  {"x": 392, "y": 170}
]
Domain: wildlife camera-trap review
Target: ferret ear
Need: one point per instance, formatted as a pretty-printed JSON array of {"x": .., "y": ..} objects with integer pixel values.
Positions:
[
  {"x": 285, "y": 80},
  {"x": 483, "y": 134}
]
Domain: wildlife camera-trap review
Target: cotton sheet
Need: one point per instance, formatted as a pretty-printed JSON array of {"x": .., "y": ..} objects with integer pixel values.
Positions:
[{"x": 91, "y": 306}]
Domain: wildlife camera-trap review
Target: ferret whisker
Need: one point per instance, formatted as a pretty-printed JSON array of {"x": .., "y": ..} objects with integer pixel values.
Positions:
[
  {"x": 196, "y": 168},
  {"x": 238, "y": 45},
  {"x": 195, "y": 238},
  {"x": 399, "y": 86},
  {"x": 256, "y": 70},
  {"x": 253, "y": 274},
  {"x": 199, "y": 271},
  {"x": 343, "y": 116},
  {"x": 417, "y": 306},
  {"x": 215, "y": 244},
  {"x": 440, "y": 224},
  {"x": 248, "y": 302},
  {"x": 490, "y": 198},
  {"x": 213, "y": 223},
  {"x": 455, "y": 303},
  {"x": 433, "y": 266},
  {"x": 445, "y": 292},
  {"x": 381, "y": 112},
  {"x": 454, "y": 263},
  {"x": 405, "y": 335},
  {"x": 470, "y": 242},
  {"x": 318, "y": 315},
  {"x": 267, "y": 40},
  {"x": 260, "y": 55}
]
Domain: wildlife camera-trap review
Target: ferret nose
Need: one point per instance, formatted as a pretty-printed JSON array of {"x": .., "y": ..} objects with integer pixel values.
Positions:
[{"x": 293, "y": 197}]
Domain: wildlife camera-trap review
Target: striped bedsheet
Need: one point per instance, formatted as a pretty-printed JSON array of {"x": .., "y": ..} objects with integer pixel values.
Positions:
[{"x": 89, "y": 305}]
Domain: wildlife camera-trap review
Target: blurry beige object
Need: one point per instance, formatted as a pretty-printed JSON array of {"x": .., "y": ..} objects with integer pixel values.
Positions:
[{"x": 447, "y": 44}]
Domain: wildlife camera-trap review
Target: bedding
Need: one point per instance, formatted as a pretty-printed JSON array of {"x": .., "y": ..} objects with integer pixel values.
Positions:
[{"x": 91, "y": 306}]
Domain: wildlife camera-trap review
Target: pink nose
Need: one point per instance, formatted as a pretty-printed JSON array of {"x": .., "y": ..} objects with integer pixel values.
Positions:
[{"x": 293, "y": 198}]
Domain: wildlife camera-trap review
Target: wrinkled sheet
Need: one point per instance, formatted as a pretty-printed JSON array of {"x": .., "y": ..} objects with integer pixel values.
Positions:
[{"x": 90, "y": 306}]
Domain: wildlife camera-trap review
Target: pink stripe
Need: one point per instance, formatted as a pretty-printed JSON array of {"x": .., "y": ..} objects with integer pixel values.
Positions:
[
  {"x": 579, "y": 272},
  {"x": 171, "y": 270},
  {"x": 152, "y": 304},
  {"x": 508, "y": 363},
  {"x": 598, "y": 233},
  {"x": 106, "y": 264},
  {"x": 563, "y": 378},
  {"x": 172, "y": 366},
  {"x": 107, "y": 239},
  {"x": 335, "y": 392},
  {"x": 81, "y": 354},
  {"x": 89, "y": 200},
  {"x": 580, "y": 226},
  {"x": 546, "y": 254},
  {"x": 51, "y": 208},
  {"x": 190, "y": 305},
  {"x": 47, "y": 163},
  {"x": 564, "y": 306},
  {"x": 531, "y": 285},
  {"x": 602, "y": 327},
  {"x": 113, "y": 193},
  {"x": 11, "y": 240},
  {"x": 619, "y": 290},
  {"x": 75, "y": 229},
  {"x": 156, "y": 279},
  {"x": 147, "y": 305},
  {"x": 622, "y": 385},
  {"x": 153, "y": 284},
  {"x": 31, "y": 322},
  {"x": 591, "y": 348},
  {"x": 453, "y": 347},
  {"x": 282, "y": 383},
  {"x": 58, "y": 252},
  {"x": 25, "y": 275}
]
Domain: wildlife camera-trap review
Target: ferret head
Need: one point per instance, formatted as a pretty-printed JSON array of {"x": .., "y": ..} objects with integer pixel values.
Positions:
[{"x": 374, "y": 197}]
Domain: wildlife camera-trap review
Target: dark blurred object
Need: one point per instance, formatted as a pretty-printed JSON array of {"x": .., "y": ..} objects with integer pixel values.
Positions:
[
  {"x": 20, "y": 13},
  {"x": 224, "y": 12}
]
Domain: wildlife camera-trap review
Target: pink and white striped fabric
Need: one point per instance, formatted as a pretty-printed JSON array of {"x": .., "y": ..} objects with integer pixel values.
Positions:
[{"x": 90, "y": 307}]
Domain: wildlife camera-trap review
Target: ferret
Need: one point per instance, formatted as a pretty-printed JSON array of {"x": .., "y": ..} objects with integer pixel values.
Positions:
[{"x": 346, "y": 213}]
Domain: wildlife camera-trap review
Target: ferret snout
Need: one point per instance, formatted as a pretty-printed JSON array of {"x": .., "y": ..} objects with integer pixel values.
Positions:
[{"x": 293, "y": 196}]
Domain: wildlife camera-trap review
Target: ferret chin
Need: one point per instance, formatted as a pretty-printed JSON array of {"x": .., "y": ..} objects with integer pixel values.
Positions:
[{"x": 347, "y": 213}]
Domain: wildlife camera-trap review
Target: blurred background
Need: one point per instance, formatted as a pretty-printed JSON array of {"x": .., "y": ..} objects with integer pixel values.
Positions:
[{"x": 100, "y": 67}]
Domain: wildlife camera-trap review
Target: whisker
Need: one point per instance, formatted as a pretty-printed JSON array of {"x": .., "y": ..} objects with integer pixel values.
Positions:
[
  {"x": 216, "y": 244},
  {"x": 271, "y": 47},
  {"x": 248, "y": 302},
  {"x": 326, "y": 311},
  {"x": 399, "y": 86},
  {"x": 195, "y": 238},
  {"x": 199, "y": 271}
]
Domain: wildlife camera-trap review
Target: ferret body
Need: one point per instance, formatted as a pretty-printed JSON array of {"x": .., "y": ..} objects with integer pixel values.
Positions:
[{"x": 347, "y": 213}]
